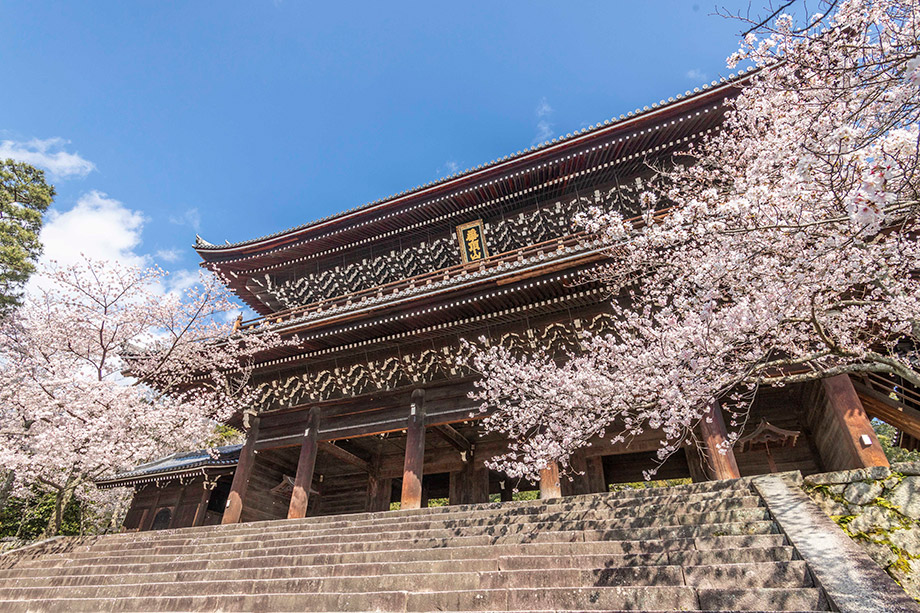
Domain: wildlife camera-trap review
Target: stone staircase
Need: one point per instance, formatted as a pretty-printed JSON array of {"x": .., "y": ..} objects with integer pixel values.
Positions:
[{"x": 701, "y": 547}]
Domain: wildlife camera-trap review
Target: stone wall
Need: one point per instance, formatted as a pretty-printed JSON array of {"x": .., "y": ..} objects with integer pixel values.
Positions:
[{"x": 879, "y": 508}]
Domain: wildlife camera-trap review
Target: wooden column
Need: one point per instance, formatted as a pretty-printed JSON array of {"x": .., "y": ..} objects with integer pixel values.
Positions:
[
  {"x": 458, "y": 488},
  {"x": 853, "y": 437},
  {"x": 178, "y": 508},
  {"x": 723, "y": 466},
  {"x": 594, "y": 474},
  {"x": 202, "y": 511},
  {"x": 241, "y": 477},
  {"x": 378, "y": 493},
  {"x": 415, "y": 453},
  {"x": 478, "y": 483},
  {"x": 147, "y": 520},
  {"x": 470, "y": 485},
  {"x": 695, "y": 464},
  {"x": 305, "y": 464},
  {"x": 549, "y": 481}
]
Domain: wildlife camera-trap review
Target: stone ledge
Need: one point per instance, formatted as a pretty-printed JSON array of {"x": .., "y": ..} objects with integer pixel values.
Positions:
[
  {"x": 849, "y": 476},
  {"x": 852, "y": 581}
]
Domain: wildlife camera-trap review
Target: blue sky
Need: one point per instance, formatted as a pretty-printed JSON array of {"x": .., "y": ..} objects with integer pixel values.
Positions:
[{"x": 158, "y": 120}]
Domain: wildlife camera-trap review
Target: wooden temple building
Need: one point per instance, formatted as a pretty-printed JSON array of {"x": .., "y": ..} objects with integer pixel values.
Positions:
[{"x": 372, "y": 408}]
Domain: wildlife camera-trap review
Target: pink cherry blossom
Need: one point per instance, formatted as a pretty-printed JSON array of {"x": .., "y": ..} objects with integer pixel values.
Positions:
[{"x": 789, "y": 252}]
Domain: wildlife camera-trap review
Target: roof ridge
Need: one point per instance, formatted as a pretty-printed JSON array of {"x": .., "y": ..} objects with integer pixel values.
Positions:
[{"x": 203, "y": 245}]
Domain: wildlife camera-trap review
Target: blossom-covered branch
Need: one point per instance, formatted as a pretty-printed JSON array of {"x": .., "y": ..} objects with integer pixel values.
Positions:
[
  {"x": 103, "y": 370},
  {"x": 789, "y": 251}
]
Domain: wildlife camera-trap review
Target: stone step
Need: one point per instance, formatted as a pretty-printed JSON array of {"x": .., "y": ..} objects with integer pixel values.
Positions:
[
  {"x": 703, "y": 548},
  {"x": 667, "y": 532},
  {"x": 556, "y": 599},
  {"x": 776, "y": 574},
  {"x": 592, "y": 569},
  {"x": 644, "y": 514},
  {"x": 680, "y": 558},
  {"x": 650, "y": 498},
  {"x": 155, "y": 545}
]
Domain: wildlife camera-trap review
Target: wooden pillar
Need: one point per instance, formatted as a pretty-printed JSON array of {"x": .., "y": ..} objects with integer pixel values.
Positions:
[
  {"x": 549, "y": 481},
  {"x": 147, "y": 520},
  {"x": 415, "y": 453},
  {"x": 695, "y": 464},
  {"x": 594, "y": 474},
  {"x": 202, "y": 511},
  {"x": 855, "y": 440},
  {"x": 183, "y": 493},
  {"x": 458, "y": 487},
  {"x": 305, "y": 464},
  {"x": 712, "y": 428},
  {"x": 378, "y": 493},
  {"x": 241, "y": 476},
  {"x": 470, "y": 485},
  {"x": 478, "y": 483}
]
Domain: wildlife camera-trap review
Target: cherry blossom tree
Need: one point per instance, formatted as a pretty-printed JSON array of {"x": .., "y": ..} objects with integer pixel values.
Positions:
[
  {"x": 784, "y": 250},
  {"x": 102, "y": 370}
]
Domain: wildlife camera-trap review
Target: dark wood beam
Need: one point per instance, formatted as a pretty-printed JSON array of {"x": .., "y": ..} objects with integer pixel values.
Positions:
[
  {"x": 241, "y": 476},
  {"x": 889, "y": 410},
  {"x": 415, "y": 453},
  {"x": 856, "y": 436},
  {"x": 300, "y": 497},
  {"x": 345, "y": 456},
  {"x": 549, "y": 481},
  {"x": 201, "y": 510},
  {"x": 456, "y": 439},
  {"x": 714, "y": 433}
]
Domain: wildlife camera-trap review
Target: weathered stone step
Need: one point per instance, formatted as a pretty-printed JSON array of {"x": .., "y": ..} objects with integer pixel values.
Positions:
[
  {"x": 556, "y": 599},
  {"x": 667, "y": 532},
  {"x": 776, "y": 574},
  {"x": 84, "y": 575},
  {"x": 680, "y": 558},
  {"x": 643, "y": 514},
  {"x": 368, "y": 534},
  {"x": 704, "y": 547},
  {"x": 495, "y": 573},
  {"x": 651, "y": 498}
]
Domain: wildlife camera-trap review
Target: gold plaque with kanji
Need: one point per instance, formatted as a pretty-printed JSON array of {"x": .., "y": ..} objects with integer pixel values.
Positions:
[{"x": 472, "y": 241}]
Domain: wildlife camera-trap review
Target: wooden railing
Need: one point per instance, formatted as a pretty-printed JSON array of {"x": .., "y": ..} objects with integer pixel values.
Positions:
[{"x": 491, "y": 263}]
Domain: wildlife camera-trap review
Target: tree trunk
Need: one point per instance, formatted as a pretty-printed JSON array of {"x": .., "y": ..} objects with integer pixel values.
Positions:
[
  {"x": 6, "y": 486},
  {"x": 61, "y": 500}
]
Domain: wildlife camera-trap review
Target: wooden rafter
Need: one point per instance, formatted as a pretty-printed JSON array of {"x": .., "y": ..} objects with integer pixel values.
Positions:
[
  {"x": 456, "y": 439},
  {"x": 345, "y": 456},
  {"x": 889, "y": 410}
]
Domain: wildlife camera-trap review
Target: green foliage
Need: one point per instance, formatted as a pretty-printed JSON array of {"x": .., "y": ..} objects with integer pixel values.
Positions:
[
  {"x": 225, "y": 435},
  {"x": 528, "y": 495},
  {"x": 27, "y": 518},
  {"x": 24, "y": 198},
  {"x": 642, "y": 485},
  {"x": 888, "y": 437}
]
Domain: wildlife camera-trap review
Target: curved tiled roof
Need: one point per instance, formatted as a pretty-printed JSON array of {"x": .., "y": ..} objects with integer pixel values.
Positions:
[
  {"x": 202, "y": 245},
  {"x": 228, "y": 455}
]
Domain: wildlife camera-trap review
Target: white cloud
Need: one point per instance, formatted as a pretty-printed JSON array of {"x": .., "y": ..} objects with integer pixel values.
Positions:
[
  {"x": 450, "y": 167},
  {"x": 178, "y": 281},
  {"x": 48, "y": 154},
  {"x": 544, "y": 131},
  {"x": 190, "y": 217},
  {"x": 169, "y": 255},
  {"x": 98, "y": 227},
  {"x": 544, "y": 125},
  {"x": 696, "y": 74}
]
